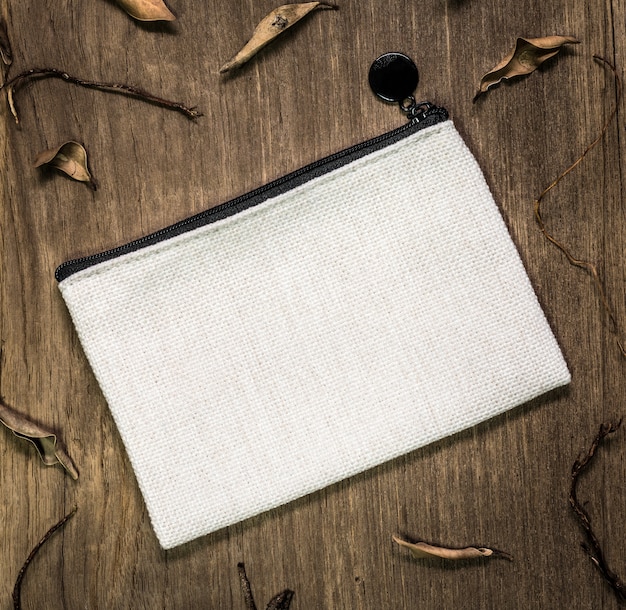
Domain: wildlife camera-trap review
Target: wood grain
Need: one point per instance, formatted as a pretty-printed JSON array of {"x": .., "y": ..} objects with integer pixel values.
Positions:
[{"x": 503, "y": 484}]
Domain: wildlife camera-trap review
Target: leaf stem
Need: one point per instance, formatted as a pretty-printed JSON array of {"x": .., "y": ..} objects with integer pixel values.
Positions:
[
  {"x": 246, "y": 587},
  {"x": 121, "y": 88}
]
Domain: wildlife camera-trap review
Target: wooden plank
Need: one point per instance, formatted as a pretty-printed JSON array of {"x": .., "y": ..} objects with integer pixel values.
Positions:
[{"x": 503, "y": 484}]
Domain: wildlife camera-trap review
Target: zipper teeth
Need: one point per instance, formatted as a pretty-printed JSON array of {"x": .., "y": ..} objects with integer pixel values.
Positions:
[{"x": 137, "y": 243}]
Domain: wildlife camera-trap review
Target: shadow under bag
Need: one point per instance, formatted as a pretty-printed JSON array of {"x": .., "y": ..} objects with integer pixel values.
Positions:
[{"x": 351, "y": 312}]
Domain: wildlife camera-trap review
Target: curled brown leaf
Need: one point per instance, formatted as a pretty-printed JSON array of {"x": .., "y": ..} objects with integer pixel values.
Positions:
[
  {"x": 422, "y": 550},
  {"x": 271, "y": 26},
  {"x": 45, "y": 441},
  {"x": 526, "y": 57},
  {"x": 70, "y": 158},
  {"x": 147, "y": 10}
]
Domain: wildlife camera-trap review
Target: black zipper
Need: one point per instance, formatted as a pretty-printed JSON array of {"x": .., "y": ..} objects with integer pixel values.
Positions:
[{"x": 426, "y": 116}]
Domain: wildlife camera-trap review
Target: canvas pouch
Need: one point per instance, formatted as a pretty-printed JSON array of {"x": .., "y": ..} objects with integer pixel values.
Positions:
[{"x": 346, "y": 314}]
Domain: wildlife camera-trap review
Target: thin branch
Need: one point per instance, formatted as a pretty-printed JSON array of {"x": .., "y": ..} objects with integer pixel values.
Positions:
[
  {"x": 282, "y": 601},
  {"x": 123, "y": 89},
  {"x": 245, "y": 587},
  {"x": 17, "y": 589},
  {"x": 573, "y": 260},
  {"x": 592, "y": 545}
]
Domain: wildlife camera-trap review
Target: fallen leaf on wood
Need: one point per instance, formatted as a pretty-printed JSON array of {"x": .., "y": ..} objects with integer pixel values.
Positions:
[
  {"x": 271, "y": 26},
  {"x": 45, "y": 441},
  {"x": 147, "y": 10},
  {"x": 423, "y": 549},
  {"x": 70, "y": 158},
  {"x": 11, "y": 103},
  {"x": 5, "y": 48},
  {"x": 528, "y": 55}
]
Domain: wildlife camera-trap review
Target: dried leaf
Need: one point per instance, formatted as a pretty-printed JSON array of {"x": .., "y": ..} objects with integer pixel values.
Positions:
[
  {"x": 147, "y": 10},
  {"x": 271, "y": 26},
  {"x": 70, "y": 158},
  {"x": 11, "y": 103},
  {"x": 45, "y": 441},
  {"x": 528, "y": 55},
  {"x": 423, "y": 549}
]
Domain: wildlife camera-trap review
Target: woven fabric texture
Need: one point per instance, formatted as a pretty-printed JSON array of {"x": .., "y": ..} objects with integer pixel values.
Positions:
[{"x": 364, "y": 314}]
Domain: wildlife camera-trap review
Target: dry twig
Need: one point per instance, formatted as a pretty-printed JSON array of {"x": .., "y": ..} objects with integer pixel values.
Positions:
[
  {"x": 123, "y": 89},
  {"x": 245, "y": 587},
  {"x": 592, "y": 545},
  {"x": 17, "y": 589},
  {"x": 573, "y": 260},
  {"x": 282, "y": 601}
]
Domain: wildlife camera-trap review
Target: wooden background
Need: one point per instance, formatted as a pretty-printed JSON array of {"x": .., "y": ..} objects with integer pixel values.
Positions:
[{"x": 504, "y": 483}]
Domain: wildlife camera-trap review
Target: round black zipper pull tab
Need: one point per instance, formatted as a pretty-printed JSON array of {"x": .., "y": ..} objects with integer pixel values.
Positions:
[{"x": 393, "y": 77}]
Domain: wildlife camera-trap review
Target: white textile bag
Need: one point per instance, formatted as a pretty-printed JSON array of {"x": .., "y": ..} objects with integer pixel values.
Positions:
[{"x": 351, "y": 312}]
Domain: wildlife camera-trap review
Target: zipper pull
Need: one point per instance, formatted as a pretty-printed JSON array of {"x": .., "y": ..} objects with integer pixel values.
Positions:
[
  {"x": 416, "y": 111},
  {"x": 393, "y": 77}
]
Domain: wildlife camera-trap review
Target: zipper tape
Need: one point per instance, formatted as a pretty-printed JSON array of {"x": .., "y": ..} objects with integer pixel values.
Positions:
[{"x": 428, "y": 116}]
